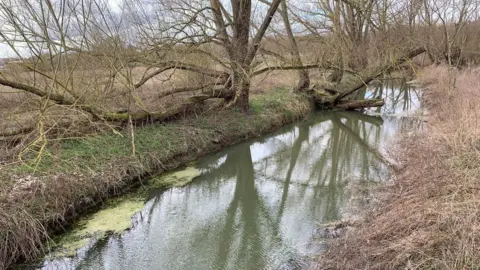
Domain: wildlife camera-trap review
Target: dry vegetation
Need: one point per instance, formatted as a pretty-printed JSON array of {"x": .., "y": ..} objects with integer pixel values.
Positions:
[
  {"x": 429, "y": 217},
  {"x": 103, "y": 94},
  {"x": 89, "y": 65}
]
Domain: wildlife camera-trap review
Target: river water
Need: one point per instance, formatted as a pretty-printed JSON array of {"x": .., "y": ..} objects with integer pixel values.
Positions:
[{"x": 259, "y": 204}]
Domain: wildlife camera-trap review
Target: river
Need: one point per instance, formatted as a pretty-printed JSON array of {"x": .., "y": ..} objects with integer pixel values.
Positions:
[{"x": 259, "y": 204}]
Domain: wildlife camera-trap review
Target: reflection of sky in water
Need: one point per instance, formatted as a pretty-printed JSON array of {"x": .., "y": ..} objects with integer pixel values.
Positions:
[
  {"x": 402, "y": 106},
  {"x": 257, "y": 204},
  {"x": 400, "y": 98}
]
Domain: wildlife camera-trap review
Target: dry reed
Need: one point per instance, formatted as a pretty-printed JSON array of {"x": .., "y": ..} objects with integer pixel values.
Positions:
[{"x": 429, "y": 218}]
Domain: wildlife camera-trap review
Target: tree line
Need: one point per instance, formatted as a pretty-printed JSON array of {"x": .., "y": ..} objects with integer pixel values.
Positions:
[{"x": 104, "y": 60}]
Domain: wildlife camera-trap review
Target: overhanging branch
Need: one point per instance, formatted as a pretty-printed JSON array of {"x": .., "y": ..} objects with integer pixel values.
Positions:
[
  {"x": 162, "y": 67},
  {"x": 266, "y": 69},
  {"x": 35, "y": 90},
  {"x": 187, "y": 89},
  {"x": 385, "y": 69}
]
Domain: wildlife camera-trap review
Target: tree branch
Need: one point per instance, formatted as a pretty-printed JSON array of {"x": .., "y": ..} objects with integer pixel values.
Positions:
[
  {"x": 16, "y": 132},
  {"x": 36, "y": 91},
  {"x": 50, "y": 96},
  {"x": 187, "y": 89},
  {"x": 183, "y": 66},
  {"x": 358, "y": 104},
  {"x": 261, "y": 31},
  {"x": 169, "y": 112},
  {"x": 385, "y": 69},
  {"x": 263, "y": 70},
  {"x": 220, "y": 25}
]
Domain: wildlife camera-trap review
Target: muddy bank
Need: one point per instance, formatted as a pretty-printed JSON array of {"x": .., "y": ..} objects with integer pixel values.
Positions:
[
  {"x": 428, "y": 217},
  {"x": 78, "y": 175}
]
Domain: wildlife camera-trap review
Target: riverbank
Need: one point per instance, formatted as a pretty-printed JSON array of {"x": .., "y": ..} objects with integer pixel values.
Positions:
[
  {"x": 428, "y": 217},
  {"x": 77, "y": 175}
]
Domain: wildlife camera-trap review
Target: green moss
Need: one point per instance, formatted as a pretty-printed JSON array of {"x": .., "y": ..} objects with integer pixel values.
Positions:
[{"x": 116, "y": 218}]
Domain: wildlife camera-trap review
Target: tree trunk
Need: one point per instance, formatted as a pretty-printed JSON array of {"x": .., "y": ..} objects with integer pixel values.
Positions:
[
  {"x": 241, "y": 87},
  {"x": 240, "y": 42},
  {"x": 303, "y": 77},
  {"x": 358, "y": 104},
  {"x": 242, "y": 100}
]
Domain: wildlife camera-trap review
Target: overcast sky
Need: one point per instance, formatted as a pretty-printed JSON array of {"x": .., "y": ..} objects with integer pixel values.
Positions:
[{"x": 6, "y": 51}]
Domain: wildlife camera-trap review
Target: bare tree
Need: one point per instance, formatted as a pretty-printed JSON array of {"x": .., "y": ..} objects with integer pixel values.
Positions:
[
  {"x": 156, "y": 59},
  {"x": 241, "y": 51}
]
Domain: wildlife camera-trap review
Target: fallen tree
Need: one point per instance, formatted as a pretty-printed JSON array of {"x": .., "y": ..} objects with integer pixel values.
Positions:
[{"x": 334, "y": 97}]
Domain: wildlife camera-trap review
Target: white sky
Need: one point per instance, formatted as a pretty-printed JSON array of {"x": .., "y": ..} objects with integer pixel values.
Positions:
[
  {"x": 115, "y": 5},
  {"x": 6, "y": 51}
]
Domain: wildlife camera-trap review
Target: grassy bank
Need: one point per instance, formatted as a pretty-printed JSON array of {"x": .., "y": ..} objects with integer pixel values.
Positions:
[
  {"x": 76, "y": 175},
  {"x": 429, "y": 217}
]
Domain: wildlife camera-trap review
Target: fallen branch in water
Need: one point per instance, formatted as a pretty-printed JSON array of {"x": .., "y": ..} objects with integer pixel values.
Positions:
[
  {"x": 331, "y": 96},
  {"x": 361, "y": 103}
]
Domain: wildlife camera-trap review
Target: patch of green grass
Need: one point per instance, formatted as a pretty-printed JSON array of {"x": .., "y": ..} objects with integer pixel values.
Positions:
[
  {"x": 274, "y": 100},
  {"x": 281, "y": 101},
  {"x": 93, "y": 153},
  {"x": 162, "y": 141}
]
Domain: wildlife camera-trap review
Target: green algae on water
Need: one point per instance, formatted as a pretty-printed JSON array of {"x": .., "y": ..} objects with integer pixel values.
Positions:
[
  {"x": 176, "y": 179},
  {"x": 113, "y": 219},
  {"x": 116, "y": 218}
]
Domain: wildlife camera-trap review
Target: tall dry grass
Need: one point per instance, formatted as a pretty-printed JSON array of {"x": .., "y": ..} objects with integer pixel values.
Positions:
[{"x": 429, "y": 217}]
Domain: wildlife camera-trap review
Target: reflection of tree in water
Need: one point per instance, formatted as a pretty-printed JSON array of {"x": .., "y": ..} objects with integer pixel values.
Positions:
[
  {"x": 303, "y": 134},
  {"x": 401, "y": 99},
  {"x": 350, "y": 147},
  {"x": 309, "y": 169},
  {"x": 325, "y": 149},
  {"x": 352, "y": 141},
  {"x": 399, "y": 96},
  {"x": 246, "y": 203},
  {"x": 247, "y": 214}
]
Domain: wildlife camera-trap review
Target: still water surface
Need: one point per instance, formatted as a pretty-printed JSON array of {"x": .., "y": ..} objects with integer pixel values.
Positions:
[{"x": 258, "y": 205}]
